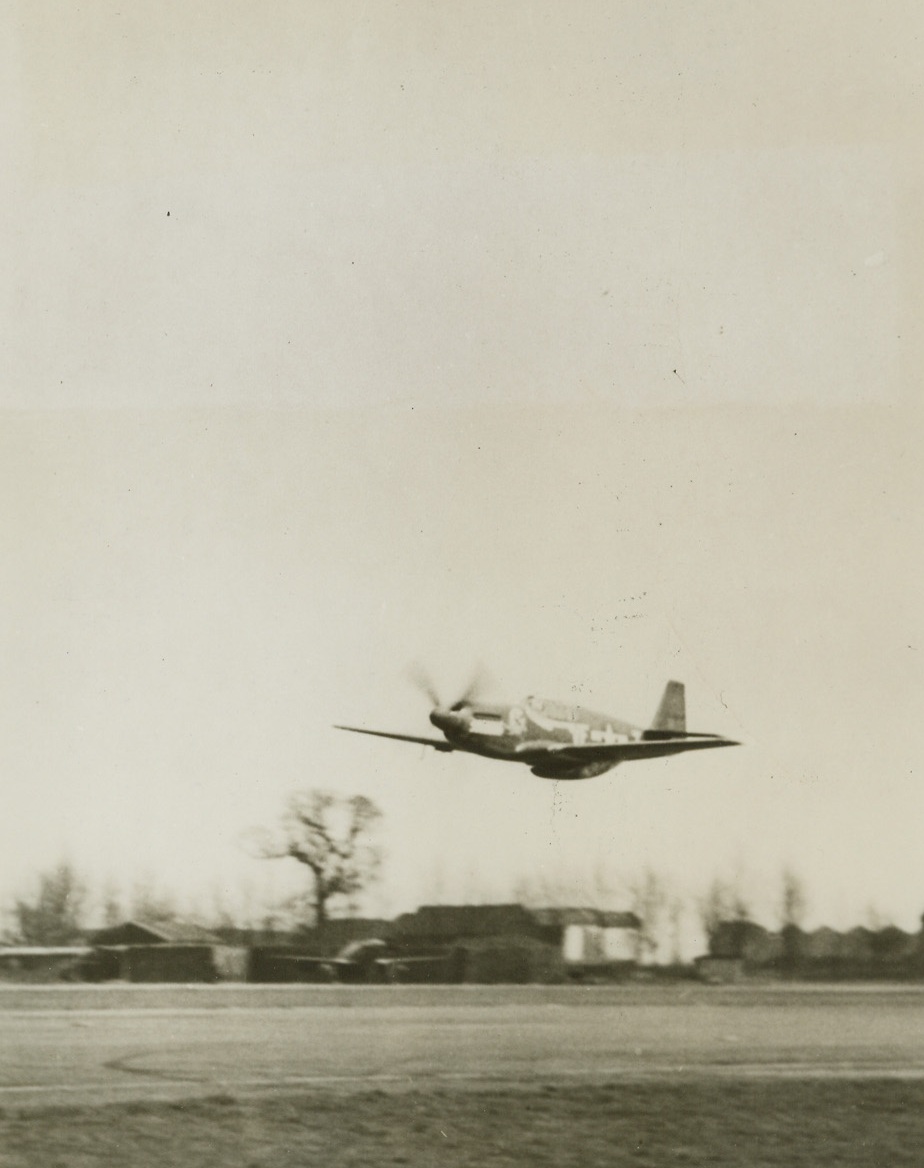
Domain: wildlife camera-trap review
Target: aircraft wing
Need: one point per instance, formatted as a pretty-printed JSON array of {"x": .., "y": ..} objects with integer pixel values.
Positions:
[
  {"x": 436, "y": 743},
  {"x": 539, "y": 753}
]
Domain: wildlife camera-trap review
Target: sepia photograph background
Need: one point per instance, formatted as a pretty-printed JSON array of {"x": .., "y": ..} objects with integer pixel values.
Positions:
[{"x": 577, "y": 346}]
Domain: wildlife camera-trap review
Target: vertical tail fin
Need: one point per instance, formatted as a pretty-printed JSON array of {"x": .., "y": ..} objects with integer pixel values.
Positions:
[{"x": 672, "y": 712}]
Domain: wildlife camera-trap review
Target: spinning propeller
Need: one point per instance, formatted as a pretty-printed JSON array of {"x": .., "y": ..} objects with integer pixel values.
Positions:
[{"x": 419, "y": 677}]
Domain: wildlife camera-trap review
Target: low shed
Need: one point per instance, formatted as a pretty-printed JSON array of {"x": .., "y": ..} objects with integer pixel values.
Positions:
[
  {"x": 141, "y": 932},
  {"x": 163, "y": 951},
  {"x": 40, "y": 963}
]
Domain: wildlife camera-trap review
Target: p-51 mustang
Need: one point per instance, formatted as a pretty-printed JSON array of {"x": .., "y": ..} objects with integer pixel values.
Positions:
[{"x": 558, "y": 741}]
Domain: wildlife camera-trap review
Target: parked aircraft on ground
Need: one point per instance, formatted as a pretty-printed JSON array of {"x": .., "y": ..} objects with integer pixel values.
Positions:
[{"x": 555, "y": 740}]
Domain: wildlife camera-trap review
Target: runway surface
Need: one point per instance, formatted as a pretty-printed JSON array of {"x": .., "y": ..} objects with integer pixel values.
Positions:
[{"x": 87, "y": 1046}]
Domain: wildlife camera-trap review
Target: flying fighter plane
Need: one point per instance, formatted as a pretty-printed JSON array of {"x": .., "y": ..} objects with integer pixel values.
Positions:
[{"x": 557, "y": 741}]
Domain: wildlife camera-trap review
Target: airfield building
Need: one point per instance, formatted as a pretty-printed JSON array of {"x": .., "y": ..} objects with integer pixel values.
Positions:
[{"x": 509, "y": 942}]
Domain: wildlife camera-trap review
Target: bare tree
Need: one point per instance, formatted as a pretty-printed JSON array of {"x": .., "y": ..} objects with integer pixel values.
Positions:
[
  {"x": 793, "y": 900},
  {"x": 594, "y": 886},
  {"x": 151, "y": 904},
  {"x": 649, "y": 898},
  {"x": 608, "y": 888},
  {"x": 221, "y": 915},
  {"x": 541, "y": 888},
  {"x": 110, "y": 904},
  {"x": 676, "y": 911},
  {"x": 723, "y": 901},
  {"x": 334, "y": 838},
  {"x": 875, "y": 919},
  {"x": 55, "y": 916}
]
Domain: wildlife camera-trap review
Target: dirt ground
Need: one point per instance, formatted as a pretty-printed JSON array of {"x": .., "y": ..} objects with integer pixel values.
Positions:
[{"x": 782, "y": 1123}]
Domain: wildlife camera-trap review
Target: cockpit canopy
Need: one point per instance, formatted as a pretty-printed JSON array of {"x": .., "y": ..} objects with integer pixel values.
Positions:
[{"x": 557, "y": 711}]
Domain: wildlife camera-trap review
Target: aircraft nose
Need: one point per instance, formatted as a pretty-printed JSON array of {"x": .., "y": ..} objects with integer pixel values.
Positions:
[{"x": 447, "y": 720}]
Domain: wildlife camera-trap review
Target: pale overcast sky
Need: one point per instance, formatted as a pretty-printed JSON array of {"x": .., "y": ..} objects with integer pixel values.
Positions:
[{"x": 580, "y": 341}]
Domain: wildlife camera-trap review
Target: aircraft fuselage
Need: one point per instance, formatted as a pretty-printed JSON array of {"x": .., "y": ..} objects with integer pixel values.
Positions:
[
  {"x": 556, "y": 740},
  {"x": 502, "y": 731}
]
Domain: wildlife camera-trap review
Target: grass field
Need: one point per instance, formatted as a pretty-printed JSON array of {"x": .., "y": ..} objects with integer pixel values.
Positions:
[
  {"x": 756, "y": 1124},
  {"x": 748, "y": 1077}
]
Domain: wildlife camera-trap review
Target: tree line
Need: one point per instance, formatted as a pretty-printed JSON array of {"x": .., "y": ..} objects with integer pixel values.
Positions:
[
  {"x": 335, "y": 841},
  {"x": 333, "y": 838}
]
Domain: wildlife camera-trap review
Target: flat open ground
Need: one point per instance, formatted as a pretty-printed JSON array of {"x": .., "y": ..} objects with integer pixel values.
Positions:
[{"x": 467, "y": 1075}]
